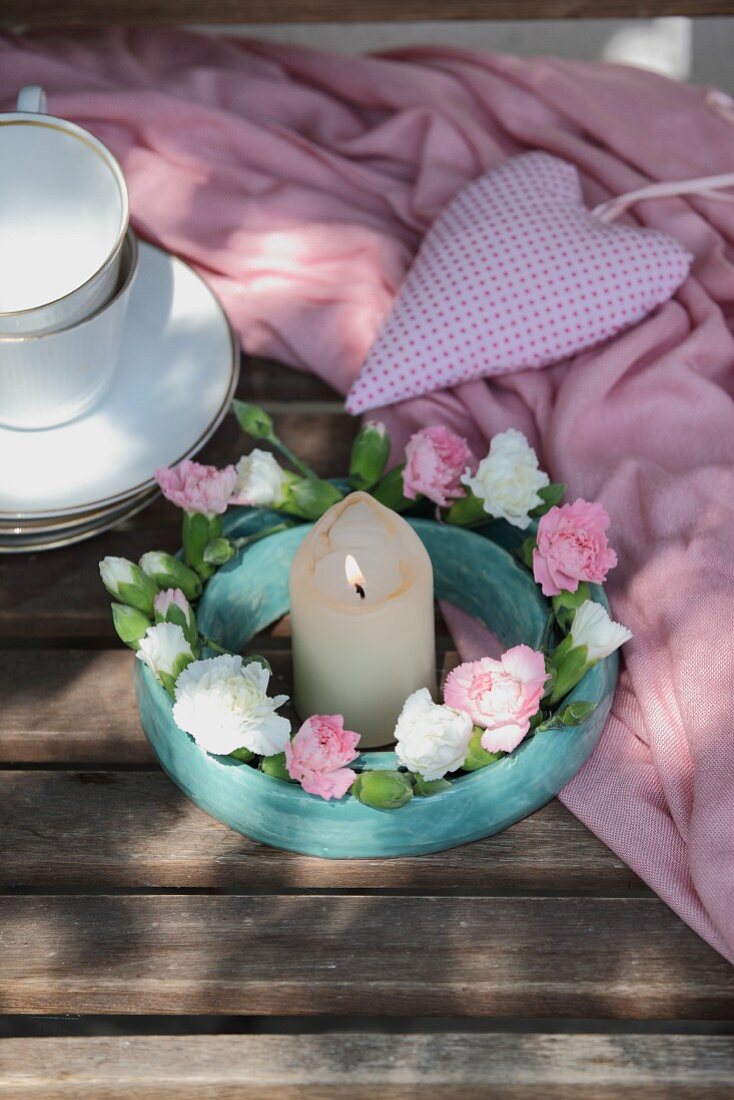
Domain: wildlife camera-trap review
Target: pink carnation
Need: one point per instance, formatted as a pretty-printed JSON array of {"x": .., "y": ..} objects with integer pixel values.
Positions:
[
  {"x": 316, "y": 756},
  {"x": 500, "y": 696},
  {"x": 197, "y": 488},
  {"x": 572, "y": 547},
  {"x": 435, "y": 459}
]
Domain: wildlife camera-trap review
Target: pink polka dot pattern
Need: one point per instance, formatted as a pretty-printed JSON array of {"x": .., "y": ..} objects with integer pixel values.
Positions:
[{"x": 515, "y": 273}]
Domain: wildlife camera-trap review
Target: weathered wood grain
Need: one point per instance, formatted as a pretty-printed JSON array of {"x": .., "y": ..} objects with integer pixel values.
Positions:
[
  {"x": 327, "y": 1067},
  {"x": 384, "y": 955},
  {"x": 77, "y": 706},
  {"x": 356, "y": 11},
  {"x": 135, "y": 830}
]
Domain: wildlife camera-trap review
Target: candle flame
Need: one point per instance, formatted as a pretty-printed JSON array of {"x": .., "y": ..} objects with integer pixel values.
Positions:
[{"x": 353, "y": 573}]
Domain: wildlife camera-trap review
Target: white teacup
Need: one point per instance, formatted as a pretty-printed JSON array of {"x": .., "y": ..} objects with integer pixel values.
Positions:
[
  {"x": 64, "y": 214},
  {"x": 48, "y": 379}
]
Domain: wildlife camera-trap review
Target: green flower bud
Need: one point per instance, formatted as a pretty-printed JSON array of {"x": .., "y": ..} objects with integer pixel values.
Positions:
[
  {"x": 128, "y": 583},
  {"x": 477, "y": 757},
  {"x": 253, "y": 420},
  {"x": 168, "y": 572},
  {"x": 310, "y": 497},
  {"x": 370, "y": 452},
  {"x": 129, "y": 623},
  {"x": 197, "y": 532},
  {"x": 219, "y": 552},
  {"x": 426, "y": 787},
  {"x": 274, "y": 766},
  {"x": 243, "y": 754},
  {"x": 382, "y": 790},
  {"x": 389, "y": 491}
]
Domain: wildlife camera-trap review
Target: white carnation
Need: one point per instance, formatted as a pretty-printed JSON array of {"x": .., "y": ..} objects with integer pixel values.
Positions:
[
  {"x": 224, "y": 705},
  {"x": 508, "y": 479},
  {"x": 593, "y": 628},
  {"x": 260, "y": 479},
  {"x": 164, "y": 649},
  {"x": 431, "y": 739}
]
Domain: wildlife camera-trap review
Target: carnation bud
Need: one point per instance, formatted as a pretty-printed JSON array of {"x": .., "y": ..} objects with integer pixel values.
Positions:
[
  {"x": 370, "y": 452},
  {"x": 197, "y": 532},
  {"x": 253, "y": 420},
  {"x": 219, "y": 551},
  {"x": 129, "y": 623},
  {"x": 593, "y": 637},
  {"x": 168, "y": 572},
  {"x": 244, "y": 755},
  {"x": 128, "y": 583},
  {"x": 477, "y": 757},
  {"x": 310, "y": 497},
  {"x": 171, "y": 606},
  {"x": 382, "y": 790},
  {"x": 275, "y": 767}
]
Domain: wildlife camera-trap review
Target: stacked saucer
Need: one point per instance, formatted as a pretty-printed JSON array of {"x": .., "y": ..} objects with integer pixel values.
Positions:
[{"x": 115, "y": 358}]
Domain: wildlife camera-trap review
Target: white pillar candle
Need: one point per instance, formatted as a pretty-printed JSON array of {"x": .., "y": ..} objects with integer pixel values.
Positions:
[{"x": 362, "y": 618}]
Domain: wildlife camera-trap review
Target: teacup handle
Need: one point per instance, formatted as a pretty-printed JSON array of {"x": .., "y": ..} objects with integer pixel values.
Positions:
[{"x": 32, "y": 99}]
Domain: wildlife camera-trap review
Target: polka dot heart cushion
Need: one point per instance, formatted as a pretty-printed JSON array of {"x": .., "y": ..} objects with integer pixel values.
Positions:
[{"x": 515, "y": 273}]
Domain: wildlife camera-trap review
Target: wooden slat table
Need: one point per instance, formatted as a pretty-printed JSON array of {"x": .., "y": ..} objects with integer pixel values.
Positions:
[{"x": 146, "y": 951}]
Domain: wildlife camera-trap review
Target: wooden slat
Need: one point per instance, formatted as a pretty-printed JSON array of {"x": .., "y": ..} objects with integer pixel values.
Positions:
[
  {"x": 356, "y": 11},
  {"x": 68, "y": 706},
  {"x": 307, "y": 955},
  {"x": 134, "y": 830},
  {"x": 328, "y": 1067}
]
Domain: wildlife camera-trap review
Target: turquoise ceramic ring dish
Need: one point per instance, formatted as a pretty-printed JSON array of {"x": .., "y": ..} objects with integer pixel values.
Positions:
[{"x": 472, "y": 571}]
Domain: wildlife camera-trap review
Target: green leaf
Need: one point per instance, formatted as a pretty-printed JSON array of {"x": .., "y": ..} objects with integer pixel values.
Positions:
[
  {"x": 525, "y": 552},
  {"x": 566, "y": 604},
  {"x": 389, "y": 491},
  {"x": 577, "y": 712},
  {"x": 477, "y": 757},
  {"x": 424, "y": 788},
  {"x": 550, "y": 495},
  {"x": 253, "y": 420},
  {"x": 467, "y": 510}
]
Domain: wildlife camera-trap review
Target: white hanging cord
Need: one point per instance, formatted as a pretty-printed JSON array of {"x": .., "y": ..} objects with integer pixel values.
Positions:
[{"x": 704, "y": 185}]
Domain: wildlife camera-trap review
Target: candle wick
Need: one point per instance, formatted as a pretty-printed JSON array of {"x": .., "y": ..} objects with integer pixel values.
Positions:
[{"x": 359, "y": 590}]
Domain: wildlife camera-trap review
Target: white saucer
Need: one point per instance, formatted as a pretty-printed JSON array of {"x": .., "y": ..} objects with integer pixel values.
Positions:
[
  {"x": 173, "y": 385},
  {"x": 29, "y": 541}
]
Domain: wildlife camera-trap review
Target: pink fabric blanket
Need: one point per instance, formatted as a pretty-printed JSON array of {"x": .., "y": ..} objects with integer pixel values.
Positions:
[{"x": 300, "y": 184}]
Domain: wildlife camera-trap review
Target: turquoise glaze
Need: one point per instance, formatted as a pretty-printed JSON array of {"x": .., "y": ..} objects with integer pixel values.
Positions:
[{"x": 472, "y": 571}]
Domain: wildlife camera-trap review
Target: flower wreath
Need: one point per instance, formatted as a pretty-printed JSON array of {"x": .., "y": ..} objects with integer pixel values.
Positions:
[{"x": 489, "y": 706}]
